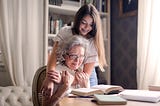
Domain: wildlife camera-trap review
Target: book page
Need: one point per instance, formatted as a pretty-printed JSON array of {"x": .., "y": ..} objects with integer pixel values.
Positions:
[
  {"x": 85, "y": 90},
  {"x": 107, "y": 88}
]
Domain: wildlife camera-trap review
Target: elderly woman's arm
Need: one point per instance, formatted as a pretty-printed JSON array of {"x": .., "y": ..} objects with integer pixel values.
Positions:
[{"x": 61, "y": 91}]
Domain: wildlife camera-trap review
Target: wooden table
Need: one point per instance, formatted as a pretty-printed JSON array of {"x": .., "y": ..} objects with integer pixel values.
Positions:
[{"x": 68, "y": 101}]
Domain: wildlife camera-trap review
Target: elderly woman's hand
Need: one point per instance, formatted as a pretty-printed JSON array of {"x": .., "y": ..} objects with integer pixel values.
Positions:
[
  {"x": 65, "y": 80},
  {"x": 82, "y": 79},
  {"x": 48, "y": 84},
  {"x": 47, "y": 88}
]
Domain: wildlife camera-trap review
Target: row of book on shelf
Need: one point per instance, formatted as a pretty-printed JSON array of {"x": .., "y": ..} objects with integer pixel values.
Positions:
[
  {"x": 54, "y": 25},
  {"x": 101, "y": 5}
]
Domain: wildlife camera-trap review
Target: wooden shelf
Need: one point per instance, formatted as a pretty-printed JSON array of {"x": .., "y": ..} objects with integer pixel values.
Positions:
[
  {"x": 65, "y": 10},
  {"x": 51, "y": 35}
]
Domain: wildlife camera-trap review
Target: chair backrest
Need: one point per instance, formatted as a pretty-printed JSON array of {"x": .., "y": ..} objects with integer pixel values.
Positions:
[{"x": 36, "y": 85}]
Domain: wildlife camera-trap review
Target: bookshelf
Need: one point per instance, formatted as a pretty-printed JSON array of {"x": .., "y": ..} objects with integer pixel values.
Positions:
[{"x": 56, "y": 16}]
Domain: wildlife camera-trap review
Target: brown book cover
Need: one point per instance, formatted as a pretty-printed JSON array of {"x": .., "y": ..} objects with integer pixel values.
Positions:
[{"x": 154, "y": 87}]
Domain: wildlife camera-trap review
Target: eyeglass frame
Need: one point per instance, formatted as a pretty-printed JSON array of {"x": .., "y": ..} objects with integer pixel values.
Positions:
[{"x": 74, "y": 57}]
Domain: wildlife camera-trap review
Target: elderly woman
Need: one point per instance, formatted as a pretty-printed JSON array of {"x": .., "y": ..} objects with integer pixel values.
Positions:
[{"x": 71, "y": 54}]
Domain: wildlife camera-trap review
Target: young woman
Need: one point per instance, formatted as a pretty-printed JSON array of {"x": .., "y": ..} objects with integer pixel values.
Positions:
[
  {"x": 72, "y": 53},
  {"x": 87, "y": 23}
]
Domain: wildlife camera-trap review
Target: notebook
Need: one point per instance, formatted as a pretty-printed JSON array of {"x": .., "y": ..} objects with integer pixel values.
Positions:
[{"x": 109, "y": 99}]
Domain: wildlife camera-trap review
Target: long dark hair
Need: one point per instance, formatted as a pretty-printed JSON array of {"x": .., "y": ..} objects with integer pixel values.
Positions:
[
  {"x": 95, "y": 33},
  {"x": 87, "y": 9}
]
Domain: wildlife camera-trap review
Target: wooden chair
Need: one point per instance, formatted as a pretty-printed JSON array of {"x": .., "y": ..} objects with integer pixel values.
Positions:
[{"x": 36, "y": 85}]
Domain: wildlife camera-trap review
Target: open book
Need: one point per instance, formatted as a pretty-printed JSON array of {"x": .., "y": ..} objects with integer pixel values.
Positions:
[
  {"x": 97, "y": 89},
  {"x": 109, "y": 100},
  {"x": 141, "y": 95}
]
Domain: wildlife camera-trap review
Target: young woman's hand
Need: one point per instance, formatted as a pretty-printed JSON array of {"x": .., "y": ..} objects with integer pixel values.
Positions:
[{"x": 54, "y": 76}]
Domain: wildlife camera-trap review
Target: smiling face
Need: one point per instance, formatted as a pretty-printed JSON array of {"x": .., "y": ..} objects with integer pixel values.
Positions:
[
  {"x": 75, "y": 57},
  {"x": 85, "y": 25}
]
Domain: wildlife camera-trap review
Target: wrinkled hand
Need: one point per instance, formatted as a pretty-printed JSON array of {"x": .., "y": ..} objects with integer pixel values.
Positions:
[
  {"x": 47, "y": 88},
  {"x": 65, "y": 80},
  {"x": 54, "y": 76},
  {"x": 82, "y": 78}
]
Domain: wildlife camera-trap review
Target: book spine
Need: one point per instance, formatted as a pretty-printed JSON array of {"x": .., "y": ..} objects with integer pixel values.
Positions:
[{"x": 51, "y": 25}]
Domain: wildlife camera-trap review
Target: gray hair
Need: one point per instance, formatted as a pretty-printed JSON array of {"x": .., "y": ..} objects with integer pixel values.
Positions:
[{"x": 66, "y": 45}]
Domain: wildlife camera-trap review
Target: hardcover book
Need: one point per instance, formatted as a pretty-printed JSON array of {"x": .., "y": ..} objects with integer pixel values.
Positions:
[
  {"x": 109, "y": 100},
  {"x": 154, "y": 87}
]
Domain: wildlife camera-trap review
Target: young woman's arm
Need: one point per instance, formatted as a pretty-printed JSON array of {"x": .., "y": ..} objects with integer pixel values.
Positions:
[
  {"x": 48, "y": 85},
  {"x": 88, "y": 67},
  {"x": 53, "y": 58}
]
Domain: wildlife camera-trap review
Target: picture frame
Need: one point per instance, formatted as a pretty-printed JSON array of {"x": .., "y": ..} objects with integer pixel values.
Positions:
[{"x": 128, "y": 8}]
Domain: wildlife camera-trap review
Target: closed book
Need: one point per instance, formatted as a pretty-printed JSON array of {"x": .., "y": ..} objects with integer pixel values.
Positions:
[
  {"x": 141, "y": 95},
  {"x": 109, "y": 100},
  {"x": 154, "y": 87}
]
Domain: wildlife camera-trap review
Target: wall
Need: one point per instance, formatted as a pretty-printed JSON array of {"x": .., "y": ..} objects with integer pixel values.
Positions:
[{"x": 123, "y": 48}]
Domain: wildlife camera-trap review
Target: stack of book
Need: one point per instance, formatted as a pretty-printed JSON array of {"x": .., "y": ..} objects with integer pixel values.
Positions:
[
  {"x": 141, "y": 95},
  {"x": 154, "y": 87}
]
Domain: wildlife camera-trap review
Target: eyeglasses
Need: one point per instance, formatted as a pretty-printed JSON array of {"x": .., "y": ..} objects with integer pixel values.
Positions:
[{"x": 74, "y": 57}]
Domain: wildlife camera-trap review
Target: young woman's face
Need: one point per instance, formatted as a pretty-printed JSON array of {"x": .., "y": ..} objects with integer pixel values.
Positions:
[
  {"x": 85, "y": 25},
  {"x": 75, "y": 57}
]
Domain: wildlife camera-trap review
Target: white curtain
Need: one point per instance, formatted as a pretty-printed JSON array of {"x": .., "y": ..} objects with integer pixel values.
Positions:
[
  {"x": 148, "y": 55},
  {"x": 21, "y": 38}
]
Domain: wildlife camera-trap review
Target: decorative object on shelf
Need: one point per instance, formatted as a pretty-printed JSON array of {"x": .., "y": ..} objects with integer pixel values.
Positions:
[
  {"x": 128, "y": 7},
  {"x": 55, "y": 2}
]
